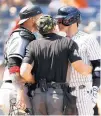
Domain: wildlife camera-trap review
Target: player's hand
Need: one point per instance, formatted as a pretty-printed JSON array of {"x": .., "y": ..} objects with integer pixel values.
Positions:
[{"x": 93, "y": 93}]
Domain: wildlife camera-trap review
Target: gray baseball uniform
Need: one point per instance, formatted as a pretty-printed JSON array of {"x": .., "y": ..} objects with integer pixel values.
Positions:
[{"x": 15, "y": 48}]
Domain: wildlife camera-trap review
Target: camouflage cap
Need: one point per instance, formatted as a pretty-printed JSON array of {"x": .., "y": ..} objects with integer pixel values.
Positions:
[{"x": 45, "y": 23}]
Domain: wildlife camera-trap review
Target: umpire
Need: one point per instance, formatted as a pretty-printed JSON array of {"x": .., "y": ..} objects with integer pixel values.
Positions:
[{"x": 49, "y": 57}]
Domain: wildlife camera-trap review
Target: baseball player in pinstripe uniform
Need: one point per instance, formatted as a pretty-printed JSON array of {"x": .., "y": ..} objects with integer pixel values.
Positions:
[{"x": 68, "y": 19}]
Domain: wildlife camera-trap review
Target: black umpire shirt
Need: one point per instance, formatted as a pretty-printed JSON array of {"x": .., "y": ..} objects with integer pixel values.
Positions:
[{"x": 50, "y": 56}]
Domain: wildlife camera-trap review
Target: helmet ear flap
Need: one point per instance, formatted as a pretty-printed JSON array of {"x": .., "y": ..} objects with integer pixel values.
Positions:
[
  {"x": 65, "y": 21},
  {"x": 68, "y": 21}
]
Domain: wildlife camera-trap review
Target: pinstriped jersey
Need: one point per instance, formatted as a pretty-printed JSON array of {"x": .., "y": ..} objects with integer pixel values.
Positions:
[{"x": 89, "y": 50}]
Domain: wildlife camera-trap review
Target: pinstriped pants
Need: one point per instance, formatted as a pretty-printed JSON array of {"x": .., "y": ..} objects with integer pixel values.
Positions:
[{"x": 84, "y": 102}]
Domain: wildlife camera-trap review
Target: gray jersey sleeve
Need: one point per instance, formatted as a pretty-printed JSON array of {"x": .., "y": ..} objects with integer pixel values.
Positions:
[{"x": 16, "y": 46}]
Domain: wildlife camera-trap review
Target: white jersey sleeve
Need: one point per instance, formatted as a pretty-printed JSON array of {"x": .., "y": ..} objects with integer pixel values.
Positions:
[{"x": 93, "y": 49}]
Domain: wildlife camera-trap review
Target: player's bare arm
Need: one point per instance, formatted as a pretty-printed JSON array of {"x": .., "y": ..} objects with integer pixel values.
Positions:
[
  {"x": 25, "y": 72},
  {"x": 82, "y": 68}
]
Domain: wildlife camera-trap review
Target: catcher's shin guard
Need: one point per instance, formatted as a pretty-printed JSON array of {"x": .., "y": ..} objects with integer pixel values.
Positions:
[{"x": 16, "y": 111}]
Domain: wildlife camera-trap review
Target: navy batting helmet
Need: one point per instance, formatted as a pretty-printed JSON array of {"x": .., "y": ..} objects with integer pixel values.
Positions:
[{"x": 68, "y": 15}]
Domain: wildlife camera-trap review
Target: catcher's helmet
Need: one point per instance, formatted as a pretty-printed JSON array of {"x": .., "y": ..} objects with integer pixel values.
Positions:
[{"x": 68, "y": 15}]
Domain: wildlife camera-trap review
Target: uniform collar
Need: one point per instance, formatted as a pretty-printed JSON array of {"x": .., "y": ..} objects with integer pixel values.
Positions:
[
  {"x": 50, "y": 36},
  {"x": 61, "y": 33}
]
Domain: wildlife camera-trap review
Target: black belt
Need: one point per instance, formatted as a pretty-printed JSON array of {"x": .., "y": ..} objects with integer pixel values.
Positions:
[
  {"x": 51, "y": 85},
  {"x": 61, "y": 86},
  {"x": 54, "y": 85},
  {"x": 8, "y": 81},
  {"x": 58, "y": 86},
  {"x": 80, "y": 87}
]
